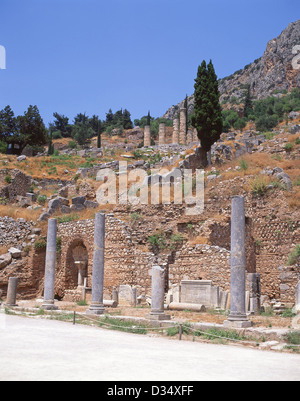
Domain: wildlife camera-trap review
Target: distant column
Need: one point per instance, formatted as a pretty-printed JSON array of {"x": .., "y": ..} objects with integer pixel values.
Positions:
[
  {"x": 12, "y": 292},
  {"x": 147, "y": 136},
  {"x": 162, "y": 134},
  {"x": 50, "y": 266},
  {"x": 158, "y": 294},
  {"x": 238, "y": 316},
  {"x": 189, "y": 138},
  {"x": 195, "y": 135},
  {"x": 183, "y": 125},
  {"x": 176, "y": 128},
  {"x": 97, "y": 307},
  {"x": 297, "y": 307}
]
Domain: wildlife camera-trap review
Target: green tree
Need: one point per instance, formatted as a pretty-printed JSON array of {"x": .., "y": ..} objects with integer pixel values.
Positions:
[
  {"x": 61, "y": 124},
  {"x": 81, "y": 132},
  {"x": 8, "y": 126},
  {"x": 207, "y": 118},
  {"x": 32, "y": 128},
  {"x": 127, "y": 123}
]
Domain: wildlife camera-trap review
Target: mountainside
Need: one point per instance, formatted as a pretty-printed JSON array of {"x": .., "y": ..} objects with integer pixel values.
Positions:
[{"x": 273, "y": 73}]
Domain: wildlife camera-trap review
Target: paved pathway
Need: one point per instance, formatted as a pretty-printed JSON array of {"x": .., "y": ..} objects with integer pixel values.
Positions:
[{"x": 43, "y": 350}]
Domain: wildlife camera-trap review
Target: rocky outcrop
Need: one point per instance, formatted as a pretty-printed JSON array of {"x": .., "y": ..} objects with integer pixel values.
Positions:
[{"x": 271, "y": 74}]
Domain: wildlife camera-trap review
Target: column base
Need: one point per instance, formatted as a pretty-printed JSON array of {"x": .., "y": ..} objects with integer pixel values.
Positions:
[
  {"x": 237, "y": 324},
  {"x": 10, "y": 306},
  {"x": 96, "y": 310},
  {"x": 49, "y": 306},
  {"x": 158, "y": 316}
]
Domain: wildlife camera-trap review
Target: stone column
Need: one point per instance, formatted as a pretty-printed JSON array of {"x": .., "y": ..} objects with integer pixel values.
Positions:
[
  {"x": 147, "y": 136},
  {"x": 81, "y": 272},
  {"x": 12, "y": 292},
  {"x": 176, "y": 128},
  {"x": 97, "y": 307},
  {"x": 162, "y": 134},
  {"x": 115, "y": 295},
  {"x": 183, "y": 126},
  {"x": 50, "y": 266},
  {"x": 297, "y": 307},
  {"x": 158, "y": 295},
  {"x": 195, "y": 135},
  {"x": 238, "y": 316},
  {"x": 254, "y": 286},
  {"x": 189, "y": 138}
]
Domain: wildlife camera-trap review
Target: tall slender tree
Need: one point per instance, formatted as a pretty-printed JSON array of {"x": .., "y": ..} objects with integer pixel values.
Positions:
[
  {"x": 99, "y": 137},
  {"x": 207, "y": 117},
  {"x": 248, "y": 107}
]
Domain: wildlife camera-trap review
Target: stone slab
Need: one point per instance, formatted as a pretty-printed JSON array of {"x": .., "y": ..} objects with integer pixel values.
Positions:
[{"x": 196, "y": 292}]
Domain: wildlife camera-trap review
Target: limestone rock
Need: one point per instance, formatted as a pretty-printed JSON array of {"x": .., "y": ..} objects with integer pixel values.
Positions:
[
  {"x": 5, "y": 260},
  {"x": 15, "y": 253}
]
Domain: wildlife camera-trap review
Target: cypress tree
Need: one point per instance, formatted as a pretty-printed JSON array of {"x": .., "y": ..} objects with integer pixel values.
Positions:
[
  {"x": 207, "y": 118},
  {"x": 50, "y": 146},
  {"x": 99, "y": 137},
  {"x": 149, "y": 119},
  {"x": 248, "y": 107},
  {"x": 186, "y": 114}
]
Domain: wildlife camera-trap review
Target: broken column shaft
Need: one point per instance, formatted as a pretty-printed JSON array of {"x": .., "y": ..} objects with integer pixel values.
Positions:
[
  {"x": 158, "y": 294},
  {"x": 12, "y": 292},
  {"x": 147, "y": 136}
]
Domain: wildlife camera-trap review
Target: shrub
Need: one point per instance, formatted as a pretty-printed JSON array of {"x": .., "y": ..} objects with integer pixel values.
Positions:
[
  {"x": 67, "y": 218},
  {"x": 56, "y": 135},
  {"x": 266, "y": 123},
  {"x": 176, "y": 241},
  {"x": 8, "y": 179},
  {"x": 135, "y": 217},
  {"x": 42, "y": 199},
  {"x": 296, "y": 182},
  {"x": 293, "y": 337},
  {"x": 289, "y": 147},
  {"x": 244, "y": 165},
  {"x": 3, "y": 147},
  {"x": 41, "y": 244},
  {"x": 158, "y": 242},
  {"x": 259, "y": 186},
  {"x": 82, "y": 303},
  {"x": 294, "y": 256},
  {"x": 298, "y": 141},
  {"x": 72, "y": 145}
]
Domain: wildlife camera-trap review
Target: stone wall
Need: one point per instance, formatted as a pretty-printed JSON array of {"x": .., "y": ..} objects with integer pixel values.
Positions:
[
  {"x": 18, "y": 186},
  {"x": 275, "y": 241},
  {"x": 201, "y": 262},
  {"x": 125, "y": 263}
]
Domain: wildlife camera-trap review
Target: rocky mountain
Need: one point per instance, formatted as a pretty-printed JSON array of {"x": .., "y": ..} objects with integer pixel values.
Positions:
[{"x": 276, "y": 72}]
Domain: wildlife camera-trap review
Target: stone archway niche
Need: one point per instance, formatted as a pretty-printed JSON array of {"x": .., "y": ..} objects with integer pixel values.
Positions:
[{"x": 76, "y": 265}]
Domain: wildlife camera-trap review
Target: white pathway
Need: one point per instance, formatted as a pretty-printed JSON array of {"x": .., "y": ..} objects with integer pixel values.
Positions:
[{"x": 43, "y": 350}]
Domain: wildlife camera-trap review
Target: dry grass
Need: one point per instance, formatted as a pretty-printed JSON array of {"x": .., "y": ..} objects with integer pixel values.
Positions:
[
  {"x": 294, "y": 199},
  {"x": 3, "y": 250},
  {"x": 18, "y": 213},
  {"x": 199, "y": 241}
]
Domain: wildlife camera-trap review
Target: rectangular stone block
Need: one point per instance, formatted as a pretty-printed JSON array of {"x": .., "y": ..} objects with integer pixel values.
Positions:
[{"x": 196, "y": 292}]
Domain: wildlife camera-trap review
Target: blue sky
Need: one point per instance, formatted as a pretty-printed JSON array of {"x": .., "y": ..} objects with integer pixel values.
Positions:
[{"x": 72, "y": 56}]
